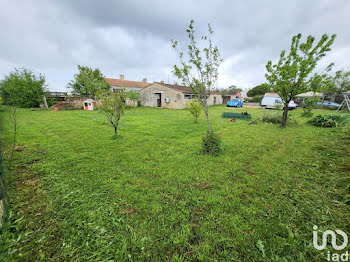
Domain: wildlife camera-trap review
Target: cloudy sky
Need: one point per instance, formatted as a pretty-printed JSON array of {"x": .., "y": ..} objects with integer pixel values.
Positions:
[{"x": 133, "y": 37}]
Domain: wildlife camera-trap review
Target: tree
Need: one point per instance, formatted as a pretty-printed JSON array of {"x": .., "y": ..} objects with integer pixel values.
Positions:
[
  {"x": 339, "y": 83},
  {"x": 200, "y": 71},
  {"x": 291, "y": 75},
  {"x": 234, "y": 87},
  {"x": 133, "y": 96},
  {"x": 113, "y": 104},
  {"x": 259, "y": 90},
  {"x": 88, "y": 82},
  {"x": 195, "y": 108},
  {"x": 22, "y": 88}
]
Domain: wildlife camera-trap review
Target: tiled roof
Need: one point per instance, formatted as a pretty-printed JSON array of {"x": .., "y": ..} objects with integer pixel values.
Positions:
[
  {"x": 232, "y": 92},
  {"x": 126, "y": 83},
  {"x": 272, "y": 94},
  {"x": 184, "y": 89}
]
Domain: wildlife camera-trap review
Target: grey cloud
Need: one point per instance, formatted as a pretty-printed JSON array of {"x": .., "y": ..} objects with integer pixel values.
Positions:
[{"x": 133, "y": 37}]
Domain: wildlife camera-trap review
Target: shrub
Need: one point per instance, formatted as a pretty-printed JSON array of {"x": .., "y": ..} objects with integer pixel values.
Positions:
[
  {"x": 255, "y": 99},
  {"x": 211, "y": 144},
  {"x": 194, "y": 107},
  {"x": 272, "y": 118},
  {"x": 308, "y": 105},
  {"x": 328, "y": 120}
]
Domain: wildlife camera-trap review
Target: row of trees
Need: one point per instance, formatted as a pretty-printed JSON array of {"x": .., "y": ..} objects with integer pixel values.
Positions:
[{"x": 338, "y": 83}]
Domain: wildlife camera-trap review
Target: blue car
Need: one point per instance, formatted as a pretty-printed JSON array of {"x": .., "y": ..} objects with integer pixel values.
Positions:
[
  {"x": 328, "y": 104},
  {"x": 236, "y": 102}
]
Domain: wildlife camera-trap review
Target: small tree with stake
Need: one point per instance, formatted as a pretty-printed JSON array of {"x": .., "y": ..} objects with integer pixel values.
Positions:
[
  {"x": 200, "y": 73},
  {"x": 113, "y": 104},
  {"x": 291, "y": 75}
]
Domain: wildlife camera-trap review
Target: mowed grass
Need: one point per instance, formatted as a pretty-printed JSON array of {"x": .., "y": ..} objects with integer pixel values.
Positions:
[{"x": 78, "y": 195}]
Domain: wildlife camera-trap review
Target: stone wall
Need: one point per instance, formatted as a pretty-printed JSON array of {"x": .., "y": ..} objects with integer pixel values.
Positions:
[{"x": 149, "y": 97}]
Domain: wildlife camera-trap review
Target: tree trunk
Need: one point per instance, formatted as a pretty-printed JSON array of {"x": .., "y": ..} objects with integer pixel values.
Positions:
[
  {"x": 45, "y": 103},
  {"x": 115, "y": 129},
  {"x": 284, "y": 117},
  {"x": 207, "y": 116}
]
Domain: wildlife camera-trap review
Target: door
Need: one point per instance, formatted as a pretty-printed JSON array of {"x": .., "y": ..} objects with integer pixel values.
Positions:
[
  {"x": 86, "y": 106},
  {"x": 226, "y": 99},
  {"x": 159, "y": 99}
]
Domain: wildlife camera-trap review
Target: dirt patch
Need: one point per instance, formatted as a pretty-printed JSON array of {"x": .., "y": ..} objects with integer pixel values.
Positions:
[{"x": 129, "y": 211}]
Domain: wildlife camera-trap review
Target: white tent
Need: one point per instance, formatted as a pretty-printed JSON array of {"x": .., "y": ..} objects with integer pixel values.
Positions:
[{"x": 310, "y": 94}]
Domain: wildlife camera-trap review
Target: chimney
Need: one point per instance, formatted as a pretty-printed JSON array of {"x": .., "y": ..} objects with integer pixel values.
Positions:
[
  {"x": 144, "y": 80},
  {"x": 121, "y": 77}
]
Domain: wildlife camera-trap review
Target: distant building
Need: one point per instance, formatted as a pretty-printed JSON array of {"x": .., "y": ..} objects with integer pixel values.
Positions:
[
  {"x": 230, "y": 95},
  {"x": 172, "y": 96},
  {"x": 127, "y": 84}
]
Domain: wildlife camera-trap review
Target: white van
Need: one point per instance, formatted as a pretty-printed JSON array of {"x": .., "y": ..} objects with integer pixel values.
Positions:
[{"x": 273, "y": 101}]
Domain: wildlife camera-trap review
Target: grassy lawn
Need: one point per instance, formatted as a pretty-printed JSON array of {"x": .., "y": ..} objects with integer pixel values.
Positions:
[{"x": 76, "y": 194}]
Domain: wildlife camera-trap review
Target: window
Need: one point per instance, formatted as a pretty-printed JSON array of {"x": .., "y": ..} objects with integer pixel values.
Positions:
[
  {"x": 188, "y": 96},
  {"x": 277, "y": 101}
]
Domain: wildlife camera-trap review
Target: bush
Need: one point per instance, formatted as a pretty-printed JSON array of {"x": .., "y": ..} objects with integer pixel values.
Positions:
[
  {"x": 211, "y": 144},
  {"x": 255, "y": 99},
  {"x": 328, "y": 120},
  {"x": 272, "y": 118},
  {"x": 308, "y": 104},
  {"x": 195, "y": 108}
]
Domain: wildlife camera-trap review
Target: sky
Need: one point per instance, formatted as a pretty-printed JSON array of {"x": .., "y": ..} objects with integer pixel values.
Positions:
[{"x": 133, "y": 37}]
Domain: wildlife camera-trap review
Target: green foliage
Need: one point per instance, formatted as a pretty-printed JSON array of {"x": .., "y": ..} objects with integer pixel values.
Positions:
[
  {"x": 308, "y": 104},
  {"x": 194, "y": 107},
  {"x": 339, "y": 83},
  {"x": 152, "y": 197},
  {"x": 200, "y": 71},
  {"x": 51, "y": 101},
  {"x": 88, "y": 82},
  {"x": 274, "y": 118},
  {"x": 211, "y": 144},
  {"x": 259, "y": 90},
  {"x": 133, "y": 96},
  {"x": 23, "y": 88},
  {"x": 255, "y": 99},
  {"x": 332, "y": 120},
  {"x": 113, "y": 105},
  {"x": 290, "y": 76}
]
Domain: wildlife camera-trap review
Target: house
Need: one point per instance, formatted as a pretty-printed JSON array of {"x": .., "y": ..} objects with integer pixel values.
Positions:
[
  {"x": 127, "y": 84},
  {"x": 230, "y": 95},
  {"x": 172, "y": 96}
]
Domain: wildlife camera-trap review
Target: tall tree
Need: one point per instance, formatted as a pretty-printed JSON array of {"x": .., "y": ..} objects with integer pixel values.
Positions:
[
  {"x": 339, "y": 83},
  {"x": 88, "y": 81},
  {"x": 22, "y": 88},
  {"x": 291, "y": 75},
  {"x": 199, "y": 69},
  {"x": 259, "y": 90},
  {"x": 113, "y": 104}
]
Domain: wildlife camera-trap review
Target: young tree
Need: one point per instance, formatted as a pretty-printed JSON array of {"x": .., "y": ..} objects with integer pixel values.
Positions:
[
  {"x": 291, "y": 75},
  {"x": 134, "y": 97},
  {"x": 200, "y": 71},
  {"x": 195, "y": 108},
  {"x": 22, "y": 88},
  {"x": 113, "y": 104},
  {"x": 88, "y": 81}
]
